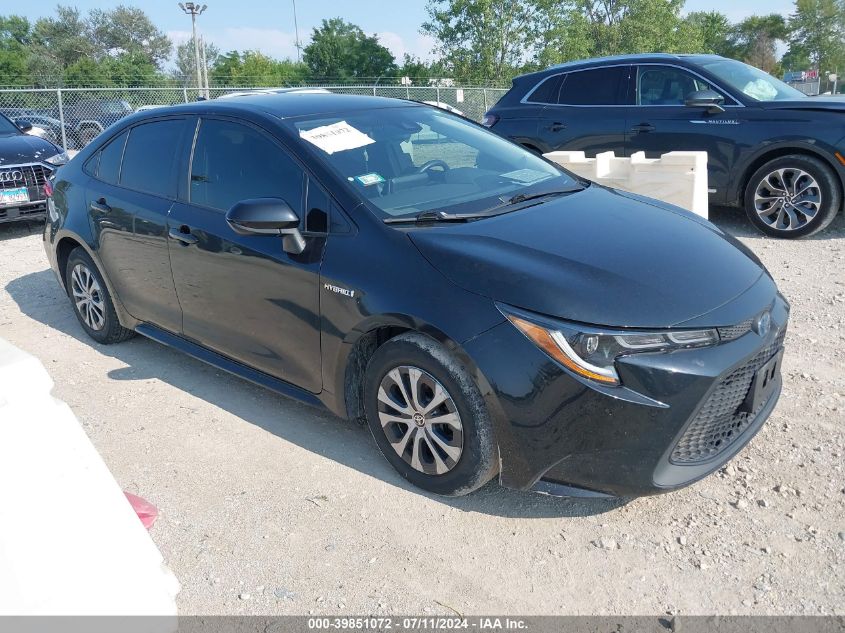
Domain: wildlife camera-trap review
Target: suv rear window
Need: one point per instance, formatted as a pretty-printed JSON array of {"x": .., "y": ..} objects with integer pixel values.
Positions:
[
  {"x": 545, "y": 91},
  {"x": 597, "y": 86}
]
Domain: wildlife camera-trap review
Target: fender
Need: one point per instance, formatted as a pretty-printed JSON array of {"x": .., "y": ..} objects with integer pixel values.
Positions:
[
  {"x": 51, "y": 243},
  {"x": 344, "y": 364},
  {"x": 801, "y": 145}
]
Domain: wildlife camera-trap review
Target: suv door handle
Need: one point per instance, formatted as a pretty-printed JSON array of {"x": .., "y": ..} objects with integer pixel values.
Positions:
[
  {"x": 183, "y": 234},
  {"x": 643, "y": 127},
  {"x": 556, "y": 127},
  {"x": 100, "y": 206}
]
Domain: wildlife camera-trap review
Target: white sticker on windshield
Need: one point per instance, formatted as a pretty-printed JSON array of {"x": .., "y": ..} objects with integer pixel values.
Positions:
[
  {"x": 526, "y": 176},
  {"x": 336, "y": 137}
]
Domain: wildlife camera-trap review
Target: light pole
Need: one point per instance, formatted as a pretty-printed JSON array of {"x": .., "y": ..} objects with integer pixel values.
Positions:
[
  {"x": 194, "y": 9},
  {"x": 296, "y": 27}
]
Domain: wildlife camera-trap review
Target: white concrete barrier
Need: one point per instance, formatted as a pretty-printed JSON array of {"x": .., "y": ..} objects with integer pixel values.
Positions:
[
  {"x": 679, "y": 178},
  {"x": 70, "y": 543}
]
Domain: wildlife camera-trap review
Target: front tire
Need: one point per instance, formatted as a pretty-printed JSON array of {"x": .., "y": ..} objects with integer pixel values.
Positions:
[
  {"x": 91, "y": 301},
  {"x": 792, "y": 196},
  {"x": 428, "y": 417}
]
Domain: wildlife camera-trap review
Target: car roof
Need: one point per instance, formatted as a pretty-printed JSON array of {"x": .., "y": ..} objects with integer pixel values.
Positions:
[
  {"x": 637, "y": 58},
  {"x": 296, "y": 104}
]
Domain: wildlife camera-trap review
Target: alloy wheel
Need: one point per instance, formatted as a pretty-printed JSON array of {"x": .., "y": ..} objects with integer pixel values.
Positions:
[
  {"x": 420, "y": 420},
  {"x": 787, "y": 199},
  {"x": 88, "y": 297}
]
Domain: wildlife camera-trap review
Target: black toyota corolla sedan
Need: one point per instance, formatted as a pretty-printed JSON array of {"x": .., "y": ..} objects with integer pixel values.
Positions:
[{"x": 485, "y": 312}]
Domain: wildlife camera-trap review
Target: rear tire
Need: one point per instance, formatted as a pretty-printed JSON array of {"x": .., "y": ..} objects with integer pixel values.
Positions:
[
  {"x": 428, "y": 417},
  {"x": 792, "y": 196},
  {"x": 91, "y": 301}
]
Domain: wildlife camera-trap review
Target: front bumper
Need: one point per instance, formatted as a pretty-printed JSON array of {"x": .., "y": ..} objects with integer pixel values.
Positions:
[
  {"x": 32, "y": 176},
  {"x": 32, "y": 211},
  {"x": 673, "y": 422}
]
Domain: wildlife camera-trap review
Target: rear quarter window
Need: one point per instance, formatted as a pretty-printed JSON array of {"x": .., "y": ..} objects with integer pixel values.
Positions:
[
  {"x": 545, "y": 91},
  {"x": 108, "y": 166}
]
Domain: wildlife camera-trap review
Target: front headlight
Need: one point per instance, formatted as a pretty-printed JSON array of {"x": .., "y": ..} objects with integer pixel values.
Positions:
[
  {"x": 592, "y": 352},
  {"x": 59, "y": 159}
]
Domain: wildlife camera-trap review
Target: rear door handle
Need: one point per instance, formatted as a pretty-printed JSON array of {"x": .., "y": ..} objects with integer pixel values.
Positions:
[
  {"x": 183, "y": 234},
  {"x": 100, "y": 206},
  {"x": 556, "y": 127},
  {"x": 643, "y": 127}
]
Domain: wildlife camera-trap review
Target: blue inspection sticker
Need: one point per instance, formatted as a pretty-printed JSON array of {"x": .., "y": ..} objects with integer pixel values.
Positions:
[{"x": 369, "y": 179}]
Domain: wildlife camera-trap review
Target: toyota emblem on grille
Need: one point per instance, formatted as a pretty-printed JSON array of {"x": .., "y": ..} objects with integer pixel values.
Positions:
[
  {"x": 11, "y": 175},
  {"x": 763, "y": 324}
]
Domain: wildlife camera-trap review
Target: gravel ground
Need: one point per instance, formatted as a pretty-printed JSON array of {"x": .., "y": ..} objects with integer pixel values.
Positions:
[{"x": 270, "y": 507}]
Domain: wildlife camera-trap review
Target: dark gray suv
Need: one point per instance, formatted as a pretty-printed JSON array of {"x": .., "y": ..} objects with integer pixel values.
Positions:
[{"x": 771, "y": 149}]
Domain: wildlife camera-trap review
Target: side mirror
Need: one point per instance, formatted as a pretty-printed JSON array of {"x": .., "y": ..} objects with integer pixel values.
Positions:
[
  {"x": 23, "y": 125},
  {"x": 709, "y": 99},
  {"x": 267, "y": 216}
]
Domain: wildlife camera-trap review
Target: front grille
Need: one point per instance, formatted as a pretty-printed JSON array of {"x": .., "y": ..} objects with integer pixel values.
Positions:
[
  {"x": 735, "y": 331},
  {"x": 34, "y": 177},
  {"x": 719, "y": 424}
]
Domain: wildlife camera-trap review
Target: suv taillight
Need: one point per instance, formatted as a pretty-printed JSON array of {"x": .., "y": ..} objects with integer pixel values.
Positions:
[{"x": 489, "y": 120}]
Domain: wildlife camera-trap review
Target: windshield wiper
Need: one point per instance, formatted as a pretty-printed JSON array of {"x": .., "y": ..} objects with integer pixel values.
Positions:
[
  {"x": 427, "y": 217},
  {"x": 524, "y": 197}
]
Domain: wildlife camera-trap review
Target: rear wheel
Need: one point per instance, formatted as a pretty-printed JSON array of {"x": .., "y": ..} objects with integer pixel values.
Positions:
[
  {"x": 88, "y": 134},
  {"x": 428, "y": 417},
  {"x": 792, "y": 196},
  {"x": 91, "y": 301}
]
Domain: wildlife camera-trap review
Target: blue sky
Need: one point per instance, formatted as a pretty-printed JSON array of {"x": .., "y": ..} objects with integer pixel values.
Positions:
[{"x": 269, "y": 26}]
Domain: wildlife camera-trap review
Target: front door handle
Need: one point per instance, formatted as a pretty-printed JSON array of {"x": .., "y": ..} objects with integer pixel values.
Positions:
[
  {"x": 643, "y": 127},
  {"x": 100, "y": 206},
  {"x": 556, "y": 127},
  {"x": 183, "y": 234}
]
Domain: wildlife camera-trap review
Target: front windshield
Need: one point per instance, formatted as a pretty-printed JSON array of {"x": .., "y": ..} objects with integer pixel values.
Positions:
[
  {"x": 408, "y": 160},
  {"x": 7, "y": 127},
  {"x": 750, "y": 81}
]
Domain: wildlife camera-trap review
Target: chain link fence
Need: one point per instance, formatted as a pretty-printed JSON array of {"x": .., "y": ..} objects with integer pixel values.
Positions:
[{"x": 73, "y": 117}]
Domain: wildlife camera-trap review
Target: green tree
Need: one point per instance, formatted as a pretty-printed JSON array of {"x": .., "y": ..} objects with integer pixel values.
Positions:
[
  {"x": 590, "y": 28},
  {"x": 252, "y": 68},
  {"x": 755, "y": 40},
  {"x": 420, "y": 71},
  {"x": 15, "y": 35},
  {"x": 186, "y": 65},
  {"x": 817, "y": 35},
  {"x": 339, "y": 49},
  {"x": 127, "y": 30},
  {"x": 483, "y": 39},
  {"x": 715, "y": 31}
]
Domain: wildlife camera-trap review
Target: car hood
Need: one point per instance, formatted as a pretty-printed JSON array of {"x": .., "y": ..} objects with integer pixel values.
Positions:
[
  {"x": 24, "y": 148},
  {"x": 836, "y": 104},
  {"x": 597, "y": 256}
]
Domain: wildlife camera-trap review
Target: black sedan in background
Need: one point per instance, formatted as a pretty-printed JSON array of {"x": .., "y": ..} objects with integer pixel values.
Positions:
[
  {"x": 770, "y": 149},
  {"x": 483, "y": 310},
  {"x": 26, "y": 162}
]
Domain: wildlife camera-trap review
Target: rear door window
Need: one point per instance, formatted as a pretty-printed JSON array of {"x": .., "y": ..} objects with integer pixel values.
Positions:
[
  {"x": 597, "y": 86},
  {"x": 150, "y": 156}
]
